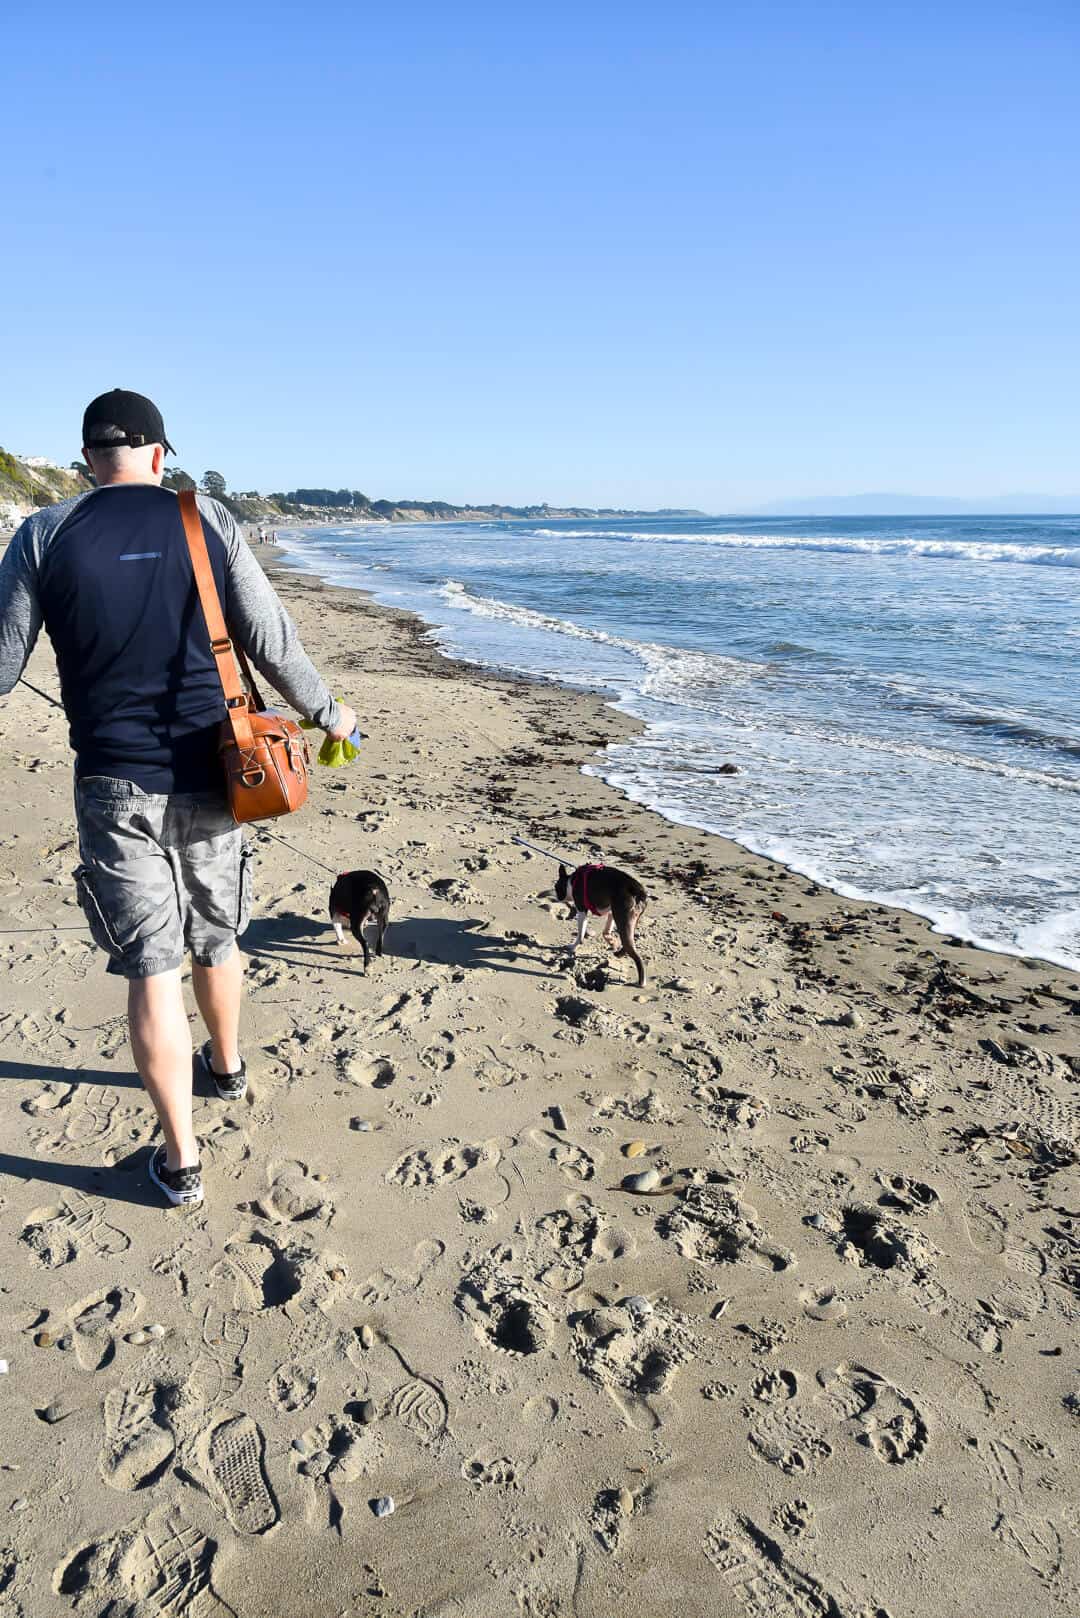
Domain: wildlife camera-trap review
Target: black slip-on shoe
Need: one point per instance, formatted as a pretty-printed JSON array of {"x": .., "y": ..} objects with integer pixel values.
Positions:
[
  {"x": 229, "y": 1086},
  {"x": 183, "y": 1187}
]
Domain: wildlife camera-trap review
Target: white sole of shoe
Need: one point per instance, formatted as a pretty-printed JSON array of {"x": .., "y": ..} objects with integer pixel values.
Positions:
[{"x": 178, "y": 1199}]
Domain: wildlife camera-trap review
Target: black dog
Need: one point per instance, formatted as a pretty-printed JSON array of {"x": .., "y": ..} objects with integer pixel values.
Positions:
[
  {"x": 359, "y": 897},
  {"x": 600, "y": 890}
]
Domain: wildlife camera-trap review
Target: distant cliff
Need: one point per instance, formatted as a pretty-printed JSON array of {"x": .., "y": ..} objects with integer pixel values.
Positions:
[{"x": 26, "y": 483}]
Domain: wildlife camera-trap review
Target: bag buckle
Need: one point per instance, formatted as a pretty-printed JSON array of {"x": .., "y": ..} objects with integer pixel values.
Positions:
[
  {"x": 236, "y": 702},
  {"x": 219, "y": 646}
]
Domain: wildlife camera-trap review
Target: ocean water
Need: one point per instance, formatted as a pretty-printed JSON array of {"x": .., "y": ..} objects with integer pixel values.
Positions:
[{"x": 900, "y": 695}]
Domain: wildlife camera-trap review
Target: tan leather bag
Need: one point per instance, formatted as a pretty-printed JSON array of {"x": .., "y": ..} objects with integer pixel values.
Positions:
[{"x": 265, "y": 756}]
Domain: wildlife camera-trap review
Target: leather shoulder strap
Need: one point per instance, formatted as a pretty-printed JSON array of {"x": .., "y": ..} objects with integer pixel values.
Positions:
[{"x": 220, "y": 643}]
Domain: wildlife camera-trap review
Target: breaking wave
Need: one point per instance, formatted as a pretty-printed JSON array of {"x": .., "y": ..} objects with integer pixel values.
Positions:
[{"x": 946, "y": 550}]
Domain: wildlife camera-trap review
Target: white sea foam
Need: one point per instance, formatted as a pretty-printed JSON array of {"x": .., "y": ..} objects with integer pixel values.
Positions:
[
  {"x": 1054, "y": 939},
  {"x": 878, "y": 781},
  {"x": 673, "y": 674},
  {"x": 950, "y": 550},
  {"x": 669, "y": 665}
]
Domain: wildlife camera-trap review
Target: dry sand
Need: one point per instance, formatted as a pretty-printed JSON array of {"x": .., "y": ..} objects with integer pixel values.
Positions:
[{"x": 827, "y": 1364}]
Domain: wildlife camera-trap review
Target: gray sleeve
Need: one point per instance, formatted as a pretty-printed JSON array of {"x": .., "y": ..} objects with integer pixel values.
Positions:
[
  {"x": 260, "y": 624},
  {"x": 20, "y": 614}
]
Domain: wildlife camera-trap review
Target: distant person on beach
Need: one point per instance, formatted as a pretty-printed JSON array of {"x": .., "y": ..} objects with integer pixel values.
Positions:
[{"x": 164, "y": 869}]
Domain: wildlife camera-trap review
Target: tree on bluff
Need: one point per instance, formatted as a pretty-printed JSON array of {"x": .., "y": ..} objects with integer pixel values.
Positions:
[
  {"x": 176, "y": 478},
  {"x": 338, "y": 498},
  {"x": 214, "y": 484}
]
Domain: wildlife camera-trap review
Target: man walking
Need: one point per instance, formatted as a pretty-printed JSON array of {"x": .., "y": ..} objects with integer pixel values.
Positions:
[{"x": 164, "y": 869}]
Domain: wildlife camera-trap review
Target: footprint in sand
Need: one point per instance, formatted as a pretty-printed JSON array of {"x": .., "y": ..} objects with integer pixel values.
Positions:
[
  {"x": 440, "y": 1058},
  {"x": 795, "y": 1518},
  {"x": 503, "y": 1313},
  {"x": 730, "y": 1109},
  {"x": 96, "y": 1119},
  {"x": 774, "y": 1387},
  {"x": 784, "y": 1439},
  {"x": 295, "y": 1382},
  {"x": 541, "y": 1409},
  {"x": 421, "y": 1408},
  {"x": 258, "y": 1272},
  {"x": 573, "y": 1162},
  {"x": 1035, "y": 1540},
  {"x": 62, "y": 1231},
  {"x": 578, "y": 1236},
  {"x": 877, "y": 1239},
  {"x": 611, "y": 1511},
  {"x": 294, "y": 1385},
  {"x": 42, "y": 1031},
  {"x": 634, "y": 1355},
  {"x": 49, "y": 1098},
  {"x": 138, "y": 1440},
  {"x": 423, "y": 1170},
  {"x": 161, "y": 1568},
  {"x": 328, "y": 1455},
  {"x": 877, "y": 1413},
  {"x": 759, "y": 1574},
  {"x": 96, "y": 1321},
  {"x": 294, "y": 1197},
  {"x": 231, "y": 1455},
  {"x": 486, "y": 1469},
  {"x": 218, "y": 1369},
  {"x": 649, "y": 1108},
  {"x": 711, "y": 1226},
  {"x": 366, "y": 1071},
  {"x": 226, "y": 1144},
  {"x": 383, "y": 1284}
]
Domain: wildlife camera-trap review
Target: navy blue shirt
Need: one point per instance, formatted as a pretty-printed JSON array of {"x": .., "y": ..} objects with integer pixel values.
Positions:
[
  {"x": 139, "y": 682},
  {"x": 109, "y": 575}
]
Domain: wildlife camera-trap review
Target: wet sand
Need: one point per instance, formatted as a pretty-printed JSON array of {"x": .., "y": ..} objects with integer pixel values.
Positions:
[{"x": 823, "y": 1360}]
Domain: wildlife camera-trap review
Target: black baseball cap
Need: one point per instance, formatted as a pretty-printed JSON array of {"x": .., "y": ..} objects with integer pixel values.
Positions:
[{"x": 137, "y": 417}]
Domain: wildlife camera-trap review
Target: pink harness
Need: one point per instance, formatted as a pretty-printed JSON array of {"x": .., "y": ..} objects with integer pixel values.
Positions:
[{"x": 579, "y": 887}]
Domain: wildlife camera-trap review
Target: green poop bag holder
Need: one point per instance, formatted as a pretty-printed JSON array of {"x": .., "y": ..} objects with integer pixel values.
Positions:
[{"x": 335, "y": 755}]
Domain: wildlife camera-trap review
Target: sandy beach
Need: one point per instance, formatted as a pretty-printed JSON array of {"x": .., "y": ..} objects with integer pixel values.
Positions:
[{"x": 821, "y": 1359}]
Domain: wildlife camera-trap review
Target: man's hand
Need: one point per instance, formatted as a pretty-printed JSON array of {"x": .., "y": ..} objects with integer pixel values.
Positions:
[{"x": 347, "y": 723}]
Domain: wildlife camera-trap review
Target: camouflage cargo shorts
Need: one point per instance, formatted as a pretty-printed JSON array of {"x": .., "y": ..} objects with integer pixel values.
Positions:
[{"x": 161, "y": 875}]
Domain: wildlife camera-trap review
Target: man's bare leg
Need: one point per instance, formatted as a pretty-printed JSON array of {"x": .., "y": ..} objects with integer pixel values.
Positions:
[
  {"x": 161, "y": 1045},
  {"x": 218, "y": 992}
]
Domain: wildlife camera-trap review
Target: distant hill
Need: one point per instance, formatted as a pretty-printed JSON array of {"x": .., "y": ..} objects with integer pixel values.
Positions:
[
  {"x": 32, "y": 481},
  {"x": 351, "y": 505},
  {"x": 922, "y": 505},
  {"x": 27, "y": 482}
]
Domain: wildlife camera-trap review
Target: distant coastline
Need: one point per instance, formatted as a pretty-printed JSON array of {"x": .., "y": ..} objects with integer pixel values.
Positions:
[{"x": 29, "y": 482}]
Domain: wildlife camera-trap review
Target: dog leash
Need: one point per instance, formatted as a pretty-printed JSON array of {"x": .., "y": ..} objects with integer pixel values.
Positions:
[
  {"x": 43, "y": 694},
  {"x": 560, "y": 859},
  {"x": 262, "y": 832},
  {"x": 304, "y": 855},
  {"x": 7, "y": 931}
]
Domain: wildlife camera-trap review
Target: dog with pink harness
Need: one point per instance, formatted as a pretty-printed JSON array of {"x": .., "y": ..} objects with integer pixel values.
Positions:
[{"x": 601, "y": 890}]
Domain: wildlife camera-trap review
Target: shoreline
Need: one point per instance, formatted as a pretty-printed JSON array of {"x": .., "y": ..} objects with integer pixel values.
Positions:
[
  {"x": 278, "y": 566},
  {"x": 821, "y": 1357}
]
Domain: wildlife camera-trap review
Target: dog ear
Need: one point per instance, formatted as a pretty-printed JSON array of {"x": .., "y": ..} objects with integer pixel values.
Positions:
[{"x": 563, "y": 871}]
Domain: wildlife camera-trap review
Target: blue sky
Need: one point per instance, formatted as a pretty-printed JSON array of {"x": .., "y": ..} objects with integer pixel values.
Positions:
[{"x": 656, "y": 254}]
